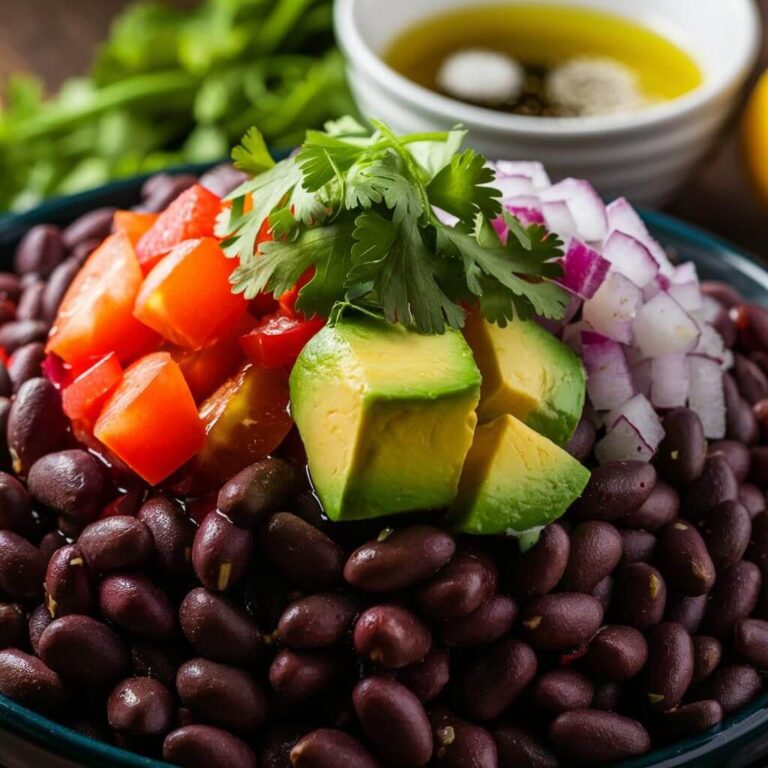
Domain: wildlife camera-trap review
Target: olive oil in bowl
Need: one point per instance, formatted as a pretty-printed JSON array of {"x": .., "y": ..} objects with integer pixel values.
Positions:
[{"x": 544, "y": 60}]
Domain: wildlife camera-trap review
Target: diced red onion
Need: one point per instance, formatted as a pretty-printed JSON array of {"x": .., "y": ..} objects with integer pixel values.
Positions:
[
  {"x": 641, "y": 376},
  {"x": 571, "y": 335},
  {"x": 639, "y": 412},
  {"x": 530, "y": 169},
  {"x": 585, "y": 205},
  {"x": 623, "y": 443},
  {"x": 706, "y": 396},
  {"x": 612, "y": 310},
  {"x": 670, "y": 381},
  {"x": 710, "y": 344},
  {"x": 609, "y": 382},
  {"x": 710, "y": 309},
  {"x": 584, "y": 269},
  {"x": 687, "y": 295},
  {"x": 622, "y": 217},
  {"x": 663, "y": 327},
  {"x": 527, "y": 210},
  {"x": 630, "y": 257},
  {"x": 514, "y": 186},
  {"x": 559, "y": 218},
  {"x": 526, "y": 215}
]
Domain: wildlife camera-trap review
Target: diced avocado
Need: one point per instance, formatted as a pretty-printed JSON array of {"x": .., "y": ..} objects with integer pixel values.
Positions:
[
  {"x": 514, "y": 480},
  {"x": 529, "y": 374},
  {"x": 386, "y": 416}
]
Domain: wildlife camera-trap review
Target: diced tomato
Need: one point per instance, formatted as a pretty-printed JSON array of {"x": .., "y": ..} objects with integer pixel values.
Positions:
[
  {"x": 150, "y": 421},
  {"x": 4, "y": 358},
  {"x": 245, "y": 420},
  {"x": 96, "y": 315},
  {"x": 263, "y": 304},
  {"x": 187, "y": 297},
  {"x": 83, "y": 398},
  {"x": 135, "y": 224},
  {"x": 191, "y": 215},
  {"x": 206, "y": 370},
  {"x": 278, "y": 341},
  {"x": 288, "y": 300}
]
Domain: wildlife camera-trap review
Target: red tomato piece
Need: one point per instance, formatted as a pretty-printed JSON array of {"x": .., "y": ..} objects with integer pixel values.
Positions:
[
  {"x": 187, "y": 298},
  {"x": 206, "y": 369},
  {"x": 96, "y": 315},
  {"x": 150, "y": 422},
  {"x": 135, "y": 224},
  {"x": 278, "y": 341},
  {"x": 83, "y": 398},
  {"x": 288, "y": 300},
  {"x": 191, "y": 215}
]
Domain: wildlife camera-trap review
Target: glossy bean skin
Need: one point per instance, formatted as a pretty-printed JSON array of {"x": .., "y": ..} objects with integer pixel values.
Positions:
[
  {"x": 460, "y": 588},
  {"x": 28, "y": 681},
  {"x": 560, "y": 690},
  {"x": 203, "y": 746},
  {"x": 70, "y": 482},
  {"x": 683, "y": 451},
  {"x": 219, "y": 630},
  {"x": 736, "y": 454},
  {"x": 596, "y": 549},
  {"x": 26, "y": 364},
  {"x": 488, "y": 623},
  {"x": 617, "y": 653},
  {"x": 494, "y": 678},
  {"x": 302, "y": 553},
  {"x": 391, "y": 636},
  {"x": 115, "y": 543},
  {"x": 427, "y": 678},
  {"x": 36, "y": 424},
  {"x": 172, "y": 534},
  {"x": 752, "y": 499},
  {"x": 757, "y": 552},
  {"x": 759, "y": 475},
  {"x": 256, "y": 492},
  {"x": 561, "y": 621},
  {"x": 141, "y": 706},
  {"x": 603, "y": 592},
  {"x": 583, "y": 440},
  {"x": 607, "y": 696},
  {"x": 669, "y": 671},
  {"x": 155, "y": 660},
  {"x": 296, "y": 676},
  {"x": 752, "y": 381},
  {"x": 161, "y": 190},
  {"x": 637, "y": 546},
  {"x": 727, "y": 531},
  {"x": 57, "y": 286},
  {"x": 38, "y": 620},
  {"x": 734, "y": 597},
  {"x": 689, "y": 720},
  {"x": 518, "y": 747},
  {"x": 641, "y": 595},
  {"x": 539, "y": 570},
  {"x": 223, "y": 695},
  {"x": 459, "y": 744},
  {"x": 587, "y": 736},
  {"x": 707, "y": 655},
  {"x": 15, "y": 506},
  {"x": 317, "y": 621},
  {"x": 741, "y": 423},
  {"x": 19, "y": 333},
  {"x": 84, "y": 651},
  {"x": 328, "y": 748},
  {"x": 687, "y": 611},
  {"x": 660, "y": 509},
  {"x": 616, "y": 490},
  {"x": 40, "y": 250},
  {"x": 400, "y": 560},
  {"x": 716, "y": 484},
  {"x": 394, "y": 721},
  {"x": 134, "y": 603},
  {"x": 13, "y": 626},
  {"x": 733, "y": 687},
  {"x": 750, "y": 641},
  {"x": 67, "y": 583},
  {"x": 94, "y": 225},
  {"x": 221, "y": 552},
  {"x": 684, "y": 560},
  {"x": 22, "y": 568}
]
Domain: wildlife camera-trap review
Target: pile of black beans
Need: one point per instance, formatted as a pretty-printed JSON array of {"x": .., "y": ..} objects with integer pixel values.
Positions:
[{"x": 261, "y": 634}]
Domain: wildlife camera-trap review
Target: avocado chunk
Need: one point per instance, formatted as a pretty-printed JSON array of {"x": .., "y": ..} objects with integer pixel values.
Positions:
[
  {"x": 386, "y": 416},
  {"x": 514, "y": 480},
  {"x": 529, "y": 374}
]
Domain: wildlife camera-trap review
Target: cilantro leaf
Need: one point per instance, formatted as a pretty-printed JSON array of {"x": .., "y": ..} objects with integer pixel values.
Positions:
[
  {"x": 252, "y": 155},
  {"x": 324, "y": 158}
]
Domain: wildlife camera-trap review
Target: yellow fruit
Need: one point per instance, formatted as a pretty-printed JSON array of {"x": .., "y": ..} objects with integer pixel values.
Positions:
[{"x": 756, "y": 137}]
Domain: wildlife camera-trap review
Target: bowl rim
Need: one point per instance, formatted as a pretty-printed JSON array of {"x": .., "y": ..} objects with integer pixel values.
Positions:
[
  {"x": 67, "y": 743},
  {"x": 359, "y": 55}
]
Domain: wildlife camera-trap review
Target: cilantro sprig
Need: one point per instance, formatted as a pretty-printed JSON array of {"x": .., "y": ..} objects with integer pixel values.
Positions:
[{"x": 358, "y": 212}]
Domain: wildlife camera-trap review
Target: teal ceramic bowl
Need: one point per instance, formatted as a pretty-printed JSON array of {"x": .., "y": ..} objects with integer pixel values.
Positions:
[{"x": 30, "y": 741}]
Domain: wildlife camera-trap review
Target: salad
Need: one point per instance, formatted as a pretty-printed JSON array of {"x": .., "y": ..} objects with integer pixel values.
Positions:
[{"x": 382, "y": 454}]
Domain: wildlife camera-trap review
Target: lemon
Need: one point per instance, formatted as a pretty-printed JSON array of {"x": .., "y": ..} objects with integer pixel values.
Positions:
[{"x": 756, "y": 136}]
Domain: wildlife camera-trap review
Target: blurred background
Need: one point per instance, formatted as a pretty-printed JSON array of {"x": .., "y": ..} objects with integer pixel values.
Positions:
[{"x": 180, "y": 81}]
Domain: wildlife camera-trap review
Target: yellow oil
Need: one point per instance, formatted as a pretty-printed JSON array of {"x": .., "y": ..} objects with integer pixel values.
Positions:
[{"x": 543, "y": 36}]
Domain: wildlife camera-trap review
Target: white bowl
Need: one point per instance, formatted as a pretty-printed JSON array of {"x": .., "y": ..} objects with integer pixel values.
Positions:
[{"x": 645, "y": 156}]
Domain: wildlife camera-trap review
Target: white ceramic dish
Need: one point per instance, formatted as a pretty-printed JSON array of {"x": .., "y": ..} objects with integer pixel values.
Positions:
[{"x": 645, "y": 156}]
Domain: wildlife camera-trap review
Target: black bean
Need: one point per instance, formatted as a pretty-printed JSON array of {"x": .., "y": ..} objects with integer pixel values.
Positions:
[
  {"x": 400, "y": 559},
  {"x": 684, "y": 560},
  {"x": 95, "y": 224},
  {"x": 221, "y": 552},
  {"x": 253, "y": 494},
  {"x": 27, "y": 680},
  {"x": 736, "y": 454},
  {"x": 707, "y": 655},
  {"x": 741, "y": 423},
  {"x": 172, "y": 533},
  {"x": 115, "y": 543},
  {"x": 539, "y": 570},
  {"x": 753, "y": 383},
  {"x": 459, "y": 744},
  {"x": 689, "y": 720},
  {"x": 317, "y": 621},
  {"x": 607, "y": 697},
  {"x": 67, "y": 584},
  {"x": 760, "y": 467},
  {"x": 15, "y": 507},
  {"x": 203, "y": 746},
  {"x": 640, "y": 595},
  {"x": 160, "y": 662},
  {"x": 727, "y": 531},
  {"x": 328, "y": 748},
  {"x": 688, "y": 611},
  {"x": 10, "y": 286},
  {"x": 17, "y": 334},
  {"x": 161, "y": 190},
  {"x": 300, "y": 675},
  {"x": 391, "y": 636},
  {"x": 724, "y": 294},
  {"x": 669, "y": 671},
  {"x": 279, "y": 739},
  {"x": 31, "y": 306},
  {"x": 302, "y": 553},
  {"x": 427, "y": 678},
  {"x": 716, "y": 484},
  {"x": 13, "y": 626},
  {"x": 637, "y": 546},
  {"x": 218, "y": 629},
  {"x": 494, "y": 678},
  {"x": 683, "y": 451},
  {"x": 40, "y": 250},
  {"x": 520, "y": 748},
  {"x": 70, "y": 483},
  {"x": 560, "y": 690},
  {"x": 616, "y": 490},
  {"x": 36, "y": 424},
  {"x": 57, "y": 286},
  {"x": 734, "y": 597},
  {"x": 6, "y": 384},
  {"x": 223, "y": 695},
  {"x": 141, "y": 706},
  {"x": 583, "y": 440},
  {"x": 757, "y": 551},
  {"x": 134, "y": 603},
  {"x": 394, "y": 721},
  {"x": 22, "y": 568},
  {"x": 39, "y": 619},
  {"x": 561, "y": 621},
  {"x": 596, "y": 549},
  {"x": 84, "y": 651},
  {"x": 222, "y": 179},
  {"x": 617, "y": 653},
  {"x": 491, "y": 621},
  {"x": 750, "y": 641},
  {"x": 660, "y": 509},
  {"x": 733, "y": 687},
  {"x": 26, "y": 364},
  {"x": 752, "y": 498}
]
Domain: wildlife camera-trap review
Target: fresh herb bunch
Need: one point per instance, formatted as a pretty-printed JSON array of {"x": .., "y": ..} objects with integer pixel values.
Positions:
[{"x": 357, "y": 212}]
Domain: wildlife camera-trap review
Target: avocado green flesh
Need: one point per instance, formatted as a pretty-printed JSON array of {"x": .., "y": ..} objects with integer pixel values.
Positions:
[{"x": 514, "y": 480}]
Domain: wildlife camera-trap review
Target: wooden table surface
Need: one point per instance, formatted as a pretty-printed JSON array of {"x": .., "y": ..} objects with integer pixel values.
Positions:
[{"x": 55, "y": 38}]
